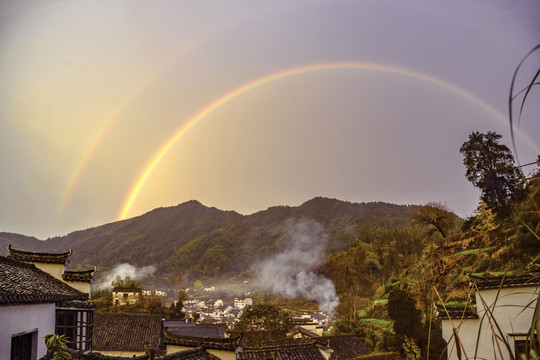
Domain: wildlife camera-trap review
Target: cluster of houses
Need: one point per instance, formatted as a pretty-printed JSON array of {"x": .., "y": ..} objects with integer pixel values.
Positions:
[
  {"x": 154, "y": 292},
  {"x": 39, "y": 297},
  {"x": 216, "y": 311}
]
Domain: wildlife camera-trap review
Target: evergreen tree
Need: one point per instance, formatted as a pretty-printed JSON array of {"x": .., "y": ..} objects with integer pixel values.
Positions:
[{"x": 490, "y": 167}]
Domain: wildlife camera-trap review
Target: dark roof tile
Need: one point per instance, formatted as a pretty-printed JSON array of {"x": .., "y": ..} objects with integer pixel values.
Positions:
[
  {"x": 39, "y": 257},
  {"x": 344, "y": 346},
  {"x": 82, "y": 276},
  {"x": 131, "y": 290},
  {"x": 456, "y": 312},
  {"x": 209, "y": 331},
  {"x": 191, "y": 354},
  {"x": 298, "y": 349},
  {"x": 230, "y": 343},
  {"x": 75, "y": 304},
  {"x": 22, "y": 283},
  {"x": 126, "y": 332},
  {"x": 494, "y": 282}
]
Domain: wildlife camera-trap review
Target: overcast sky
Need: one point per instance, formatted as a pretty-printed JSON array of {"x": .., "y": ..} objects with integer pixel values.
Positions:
[{"x": 109, "y": 109}]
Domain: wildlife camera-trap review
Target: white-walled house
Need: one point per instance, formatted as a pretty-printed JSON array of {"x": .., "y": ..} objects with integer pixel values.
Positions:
[
  {"x": 512, "y": 305},
  {"x": 54, "y": 264},
  {"x": 126, "y": 296},
  {"x": 241, "y": 303},
  {"x": 33, "y": 304}
]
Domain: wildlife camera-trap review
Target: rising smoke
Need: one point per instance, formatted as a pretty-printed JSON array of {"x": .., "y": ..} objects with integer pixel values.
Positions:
[
  {"x": 291, "y": 273},
  {"x": 123, "y": 270}
]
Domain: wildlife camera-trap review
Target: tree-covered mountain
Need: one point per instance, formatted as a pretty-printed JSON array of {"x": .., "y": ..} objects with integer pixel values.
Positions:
[{"x": 206, "y": 241}]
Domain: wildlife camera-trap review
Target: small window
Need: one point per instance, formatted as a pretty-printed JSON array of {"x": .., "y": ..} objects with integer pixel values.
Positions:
[
  {"x": 23, "y": 347},
  {"x": 519, "y": 347}
]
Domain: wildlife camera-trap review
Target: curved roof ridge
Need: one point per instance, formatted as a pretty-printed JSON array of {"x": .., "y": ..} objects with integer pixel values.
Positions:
[{"x": 39, "y": 257}]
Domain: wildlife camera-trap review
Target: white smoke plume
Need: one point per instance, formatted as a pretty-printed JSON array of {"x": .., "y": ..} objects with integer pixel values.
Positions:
[
  {"x": 123, "y": 270},
  {"x": 290, "y": 273}
]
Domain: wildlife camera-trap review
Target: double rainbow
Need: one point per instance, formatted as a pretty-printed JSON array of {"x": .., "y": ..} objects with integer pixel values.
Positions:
[{"x": 163, "y": 149}]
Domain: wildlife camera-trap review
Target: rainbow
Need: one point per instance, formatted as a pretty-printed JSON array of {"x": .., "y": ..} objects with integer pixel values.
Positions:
[
  {"x": 117, "y": 113},
  {"x": 188, "y": 49},
  {"x": 146, "y": 171}
]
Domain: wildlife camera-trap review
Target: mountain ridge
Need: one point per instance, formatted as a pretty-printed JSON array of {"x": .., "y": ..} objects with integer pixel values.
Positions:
[{"x": 156, "y": 236}]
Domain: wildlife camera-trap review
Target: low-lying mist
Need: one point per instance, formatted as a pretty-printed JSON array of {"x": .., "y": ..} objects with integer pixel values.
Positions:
[
  {"x": 105, "y": 280},
  {"x": 291, "y": 272}
]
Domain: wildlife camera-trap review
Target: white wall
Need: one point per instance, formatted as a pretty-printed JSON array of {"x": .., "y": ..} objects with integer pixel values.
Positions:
[
  {"x": 82, "y": 286},
  {"x": 19, "y": 319},
  {"x": 55, "y": 270},
  {"x": 510, "y": 314}
]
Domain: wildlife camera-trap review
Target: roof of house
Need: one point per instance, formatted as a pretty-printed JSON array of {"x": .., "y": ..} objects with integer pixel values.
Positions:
[
  {"x": 39, "y": 257},
  {"x": 230, "y": 343},
  {"x": 191, "y": 354},
  {"x": 210, "y": 331},
  {"x": 298, "y": 349},
  {"x": 81, "y": 276},
  {"x": 495, "y": 281},
  {"x": 456, "y": 312},
  {"x": 22, "y": 283},
  {"x": 126, "y": 332},
  {"x": 306, "y": 332},
  {"x": 131, "y": 290},
  {"x": 344, "y": 346},
  {"x": 75, "y": 304}
]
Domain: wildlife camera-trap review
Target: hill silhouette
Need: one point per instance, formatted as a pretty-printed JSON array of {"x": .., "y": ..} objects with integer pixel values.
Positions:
[{"x": 194, "y": 238}]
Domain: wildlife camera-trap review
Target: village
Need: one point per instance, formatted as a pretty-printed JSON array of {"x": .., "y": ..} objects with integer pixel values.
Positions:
[
  {"x": 40, "y": 299},
  {"x": 200, "y": 307},
  {"x": 45, "y": 311}
]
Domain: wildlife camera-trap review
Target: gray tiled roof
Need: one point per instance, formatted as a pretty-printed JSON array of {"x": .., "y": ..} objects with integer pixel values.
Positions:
[
  {"x": 22, "y": 283},
  {"x": 456, "y": 312},
  {"x": 191, "y": 354},
  {"x": 129, "y": 290},
  {"x": 209, "y": 331},
  {"x": 82, "y": 276},
  {"x": 75, "y": 304},
  {"x": 344, "y": 346},
  {"x": 494, "y": 282},
  {"x": 230, "y": 343},
  {"x": 126, "y": 332},
  {"x": 289, "y": 349},
  {"x": 306, "y": 332},
  {"x": 39, "y": 257}
]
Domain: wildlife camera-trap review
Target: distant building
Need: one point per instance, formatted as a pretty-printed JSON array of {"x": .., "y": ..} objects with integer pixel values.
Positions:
[
  {"x": 241, "y": 303},
  {"x": 126, "y": 296}
]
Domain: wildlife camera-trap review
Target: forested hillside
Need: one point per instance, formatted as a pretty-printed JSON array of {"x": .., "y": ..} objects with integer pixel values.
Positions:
[
  {"x": 206, "y": 242},
  {"x": 389, "y": 279}
]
